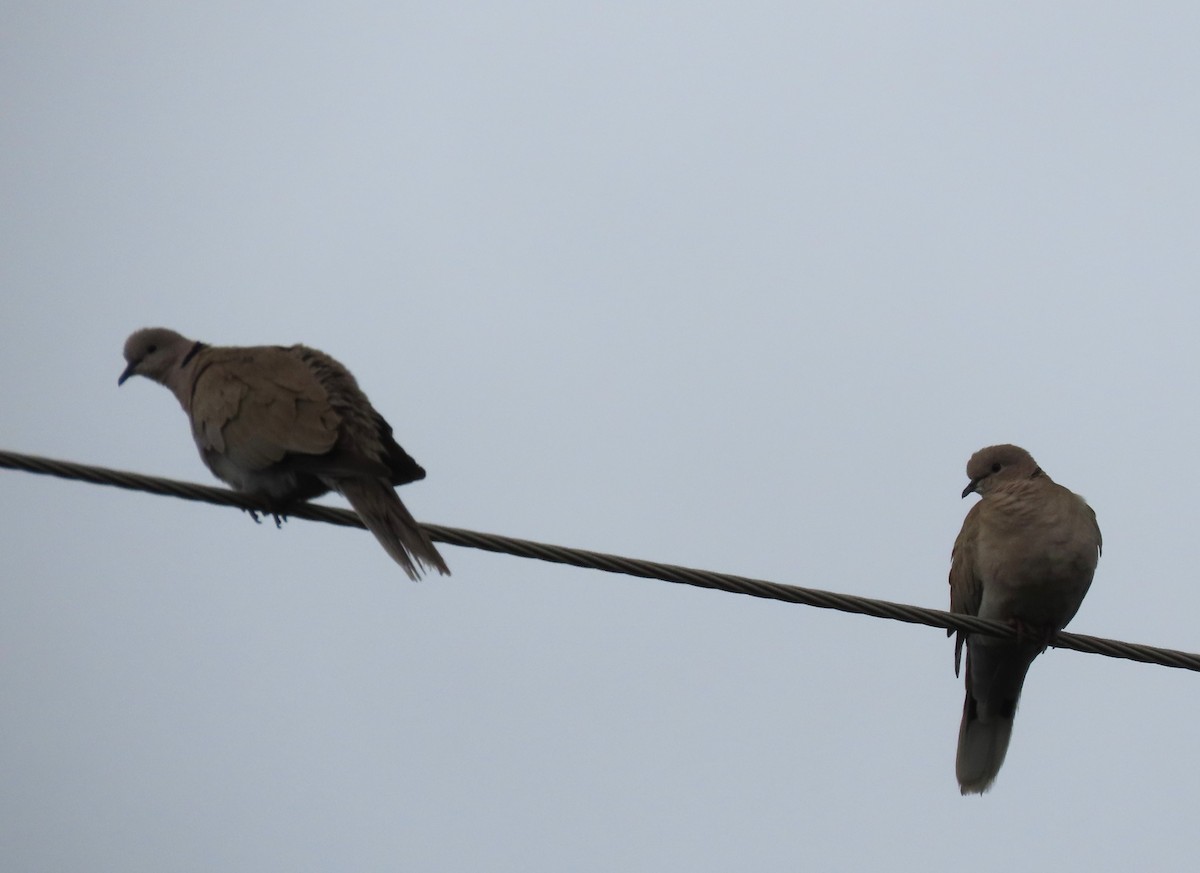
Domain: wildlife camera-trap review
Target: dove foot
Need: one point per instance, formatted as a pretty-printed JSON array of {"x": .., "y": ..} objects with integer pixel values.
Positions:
[
  {"x": 1040, "y": 634},
  {"x": 278, "y": 515}
]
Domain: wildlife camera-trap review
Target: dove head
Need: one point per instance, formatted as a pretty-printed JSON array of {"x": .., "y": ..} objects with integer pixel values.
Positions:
[
  {"x": 153, "y": 352},
  {"x": 995, "y": 466}
]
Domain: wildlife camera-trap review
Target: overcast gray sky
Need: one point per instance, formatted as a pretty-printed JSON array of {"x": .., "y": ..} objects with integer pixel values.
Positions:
[{"x": 737, "y": 286}]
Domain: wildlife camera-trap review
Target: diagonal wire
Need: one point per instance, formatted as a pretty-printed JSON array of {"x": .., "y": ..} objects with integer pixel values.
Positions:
[{"x": 610, "y": 563}]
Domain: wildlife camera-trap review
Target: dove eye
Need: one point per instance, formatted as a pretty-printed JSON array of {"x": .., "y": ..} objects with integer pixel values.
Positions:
[
  {"x": 151, "y": 349},
  {"x": 995, "y": 468}
]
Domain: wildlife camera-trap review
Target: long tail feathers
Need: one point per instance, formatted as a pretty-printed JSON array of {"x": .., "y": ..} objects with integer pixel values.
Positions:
[
  {"x": 995, "y": 674},
  {"x": 981, "y": 749},
  {"x": 378, "y": 505}
]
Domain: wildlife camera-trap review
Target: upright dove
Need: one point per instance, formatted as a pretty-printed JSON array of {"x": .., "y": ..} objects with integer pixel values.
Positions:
[
  {"x": 286, "y": 424},
  {"x": 1026, "y": 555}
]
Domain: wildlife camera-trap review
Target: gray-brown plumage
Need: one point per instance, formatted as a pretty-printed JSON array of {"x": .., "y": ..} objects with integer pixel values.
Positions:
[
  {"x": 286, "y": 424},
  {"x": 1026, "y": 555}
]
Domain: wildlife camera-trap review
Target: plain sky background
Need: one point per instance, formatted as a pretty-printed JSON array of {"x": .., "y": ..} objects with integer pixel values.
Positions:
[{"x": 739, "y": 286}]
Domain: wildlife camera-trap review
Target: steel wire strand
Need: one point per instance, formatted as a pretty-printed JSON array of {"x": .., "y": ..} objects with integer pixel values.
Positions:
[{"x": 609, "y": 563}]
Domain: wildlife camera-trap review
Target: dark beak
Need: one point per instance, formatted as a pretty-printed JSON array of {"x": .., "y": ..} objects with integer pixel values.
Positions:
[
  {"x": 970, "y": 489},
  {"x": 128, "y": 372}
]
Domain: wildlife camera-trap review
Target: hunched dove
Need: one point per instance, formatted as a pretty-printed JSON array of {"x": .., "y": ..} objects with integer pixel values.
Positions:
[
  {"x": 286, "y": 424},
  {"x": 1026, "y": 555}
]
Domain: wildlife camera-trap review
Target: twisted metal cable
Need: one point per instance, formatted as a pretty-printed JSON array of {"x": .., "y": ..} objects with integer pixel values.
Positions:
[{"x": 610, "y": 563}]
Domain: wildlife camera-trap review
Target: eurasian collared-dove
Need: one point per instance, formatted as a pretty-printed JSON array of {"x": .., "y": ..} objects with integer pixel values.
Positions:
[
  {"x": 288, "y": 423},
  {"x": 1025, "y": 555}
]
